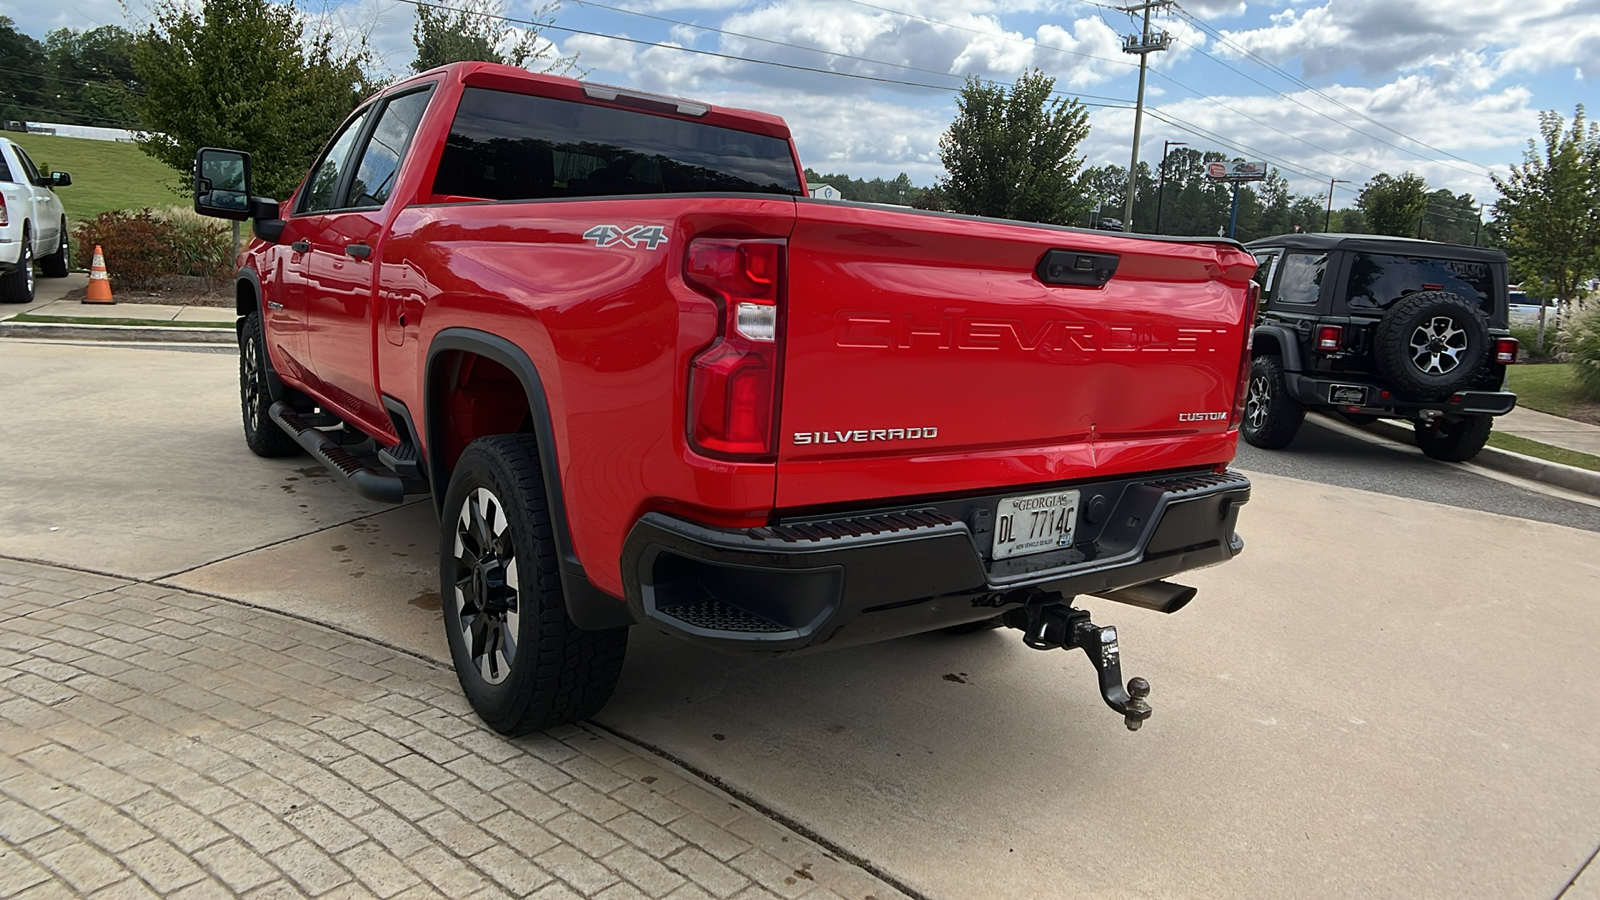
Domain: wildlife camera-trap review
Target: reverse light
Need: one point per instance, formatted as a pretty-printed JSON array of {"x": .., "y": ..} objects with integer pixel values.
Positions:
[
  {"x": 1242, "y": 389},
  {"x": 733, "y": 382},
  {"x": 1505, "y": 351},
  {"x": 1330, "y": 338}
]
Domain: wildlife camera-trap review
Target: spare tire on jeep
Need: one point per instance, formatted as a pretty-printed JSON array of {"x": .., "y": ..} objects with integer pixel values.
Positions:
[{"x": 1431, "y": 344}]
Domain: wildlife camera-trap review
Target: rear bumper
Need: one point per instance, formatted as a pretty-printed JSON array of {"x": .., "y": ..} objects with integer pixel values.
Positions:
[
  {"x": 1317, "y": 391},
  {"x": 886, "y": 573}
]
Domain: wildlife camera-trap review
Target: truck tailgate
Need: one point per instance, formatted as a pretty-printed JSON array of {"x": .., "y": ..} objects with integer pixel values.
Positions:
[{"x": 925, "y": 356}]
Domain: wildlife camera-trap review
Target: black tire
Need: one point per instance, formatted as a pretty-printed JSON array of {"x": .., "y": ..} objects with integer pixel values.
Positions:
[
  {"x": 16, "y": 286},
  {"x": 1454, "y": 440},
  {"x": 1431, "y": 344},
  {"x": 57, "y": 264},
  {"x": 261, "y": 434},
  {"x": 499, "y": 584},
  {"x": 974, "y": 627},
  {"x": 1271, "y": 417}
]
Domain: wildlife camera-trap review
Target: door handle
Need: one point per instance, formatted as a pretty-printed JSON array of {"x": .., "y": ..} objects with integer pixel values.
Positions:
[
  {"x": 301, "y": 246},
  {"x": 357, "y": 251}
]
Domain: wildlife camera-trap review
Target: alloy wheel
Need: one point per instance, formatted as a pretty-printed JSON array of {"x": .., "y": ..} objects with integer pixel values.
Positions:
[
  {"x": 487, "y": 585},
  {"x": 1256, "y": 402},
  {"x": 1437, "y": 346}
]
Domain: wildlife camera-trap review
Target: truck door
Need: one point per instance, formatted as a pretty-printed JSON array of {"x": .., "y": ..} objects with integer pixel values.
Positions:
[{"x": 343, "y": 259}]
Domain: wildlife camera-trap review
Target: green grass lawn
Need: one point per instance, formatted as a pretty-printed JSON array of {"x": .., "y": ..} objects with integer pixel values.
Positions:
[
  {"x": 1547, "y": 388},
  {"x": 105, "y": 174},
  {"x": 1544, "y": 451}
]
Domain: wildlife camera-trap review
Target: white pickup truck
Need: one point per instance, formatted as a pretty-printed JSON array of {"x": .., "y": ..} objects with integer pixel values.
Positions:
[{"x": 33, "y": 227}]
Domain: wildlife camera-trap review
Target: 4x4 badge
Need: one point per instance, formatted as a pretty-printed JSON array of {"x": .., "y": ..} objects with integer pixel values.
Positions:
[{"x": 648, "y": 236}]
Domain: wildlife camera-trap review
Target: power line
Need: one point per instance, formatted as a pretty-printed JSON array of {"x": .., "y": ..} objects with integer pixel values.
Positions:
[{"x": 1222, "y": 38}]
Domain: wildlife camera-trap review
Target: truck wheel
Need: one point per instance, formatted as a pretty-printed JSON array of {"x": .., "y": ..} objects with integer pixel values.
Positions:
[
  {"x": 17, "y": 286},
  {"x": 1431, "y": 344},
  {"x": 522, "y": 663},
  {"x": 58, "y": 263},
  {"x": 1271, "y": 417},
  {"x": 1454, "y": 441},
  {"x": 261, "y": 434}
]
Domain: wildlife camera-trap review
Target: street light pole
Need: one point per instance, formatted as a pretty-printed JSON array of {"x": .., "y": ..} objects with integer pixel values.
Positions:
[
  {"x": 1327, "y": 220},
  {"x": 1161, "y": 179}
]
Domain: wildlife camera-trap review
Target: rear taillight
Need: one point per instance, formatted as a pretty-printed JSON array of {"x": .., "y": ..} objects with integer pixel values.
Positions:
[
  {"x": 1241, "y": 390},
  {"x": 1330, "y": 338},
  {"x": 1505, "y": 351},
  {"x": 5, "y": 217},
  {"x": 733, "y": 382}
]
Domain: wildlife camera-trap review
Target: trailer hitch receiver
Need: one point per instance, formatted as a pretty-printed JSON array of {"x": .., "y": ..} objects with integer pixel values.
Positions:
[{"x": 1058, "y": 624}]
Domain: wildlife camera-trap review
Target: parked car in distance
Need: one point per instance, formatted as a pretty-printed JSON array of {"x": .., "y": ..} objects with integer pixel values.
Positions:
[
  {"x": 1524, "y": 310},
  {"x": 1377, "y": 327},
  {"x": 33, "y": 226}
]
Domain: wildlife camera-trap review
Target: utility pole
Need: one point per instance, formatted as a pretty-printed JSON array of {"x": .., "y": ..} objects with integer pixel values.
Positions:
[
  {"x": 1142, "y": 44},
  {"x": 1327, "y": 220},
  {"x": 1479, "y": 230},
  {"x": 1161, "y": 180}
]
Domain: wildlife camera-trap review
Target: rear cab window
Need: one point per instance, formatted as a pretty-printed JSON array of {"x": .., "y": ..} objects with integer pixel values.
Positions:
[
  {"x": 1266, "y": 267},
  {"x": 1377, "y": 280},
  {"x": 507, "y": 146}
]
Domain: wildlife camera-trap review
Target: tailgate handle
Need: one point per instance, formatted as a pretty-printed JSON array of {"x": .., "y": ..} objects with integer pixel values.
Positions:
[{"x": 1077, "y": 268}]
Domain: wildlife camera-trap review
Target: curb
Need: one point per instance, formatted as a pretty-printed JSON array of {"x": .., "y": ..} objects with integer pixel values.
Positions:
[
  {"x": 1570, "y": 477},
  {"x": 119, "y": 333}
]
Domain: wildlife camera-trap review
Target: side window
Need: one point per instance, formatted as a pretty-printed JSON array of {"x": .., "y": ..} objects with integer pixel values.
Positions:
[
  {"x": 1301, "y": 281},
  {"x": 28, "y": 166},
  {"x": 5, "y": 169},
  {"x": 380, "y": 162},
  {"x": 1266, "y": 267},
  {"x": 324, "y": 180}
]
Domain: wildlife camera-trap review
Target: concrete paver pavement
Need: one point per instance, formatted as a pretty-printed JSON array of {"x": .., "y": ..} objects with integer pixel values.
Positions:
[{"x": 155, "y": 742}]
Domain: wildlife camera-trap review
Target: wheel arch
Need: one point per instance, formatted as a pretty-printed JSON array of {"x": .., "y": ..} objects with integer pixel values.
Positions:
[
  {"x": 588, "y": 606},
  {"x": 247, "y": 292},
  {"x": 1276, "y": 340}
]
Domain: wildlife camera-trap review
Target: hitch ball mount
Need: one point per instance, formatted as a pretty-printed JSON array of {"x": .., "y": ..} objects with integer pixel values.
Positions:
[{"x": 1055, "y": 623}]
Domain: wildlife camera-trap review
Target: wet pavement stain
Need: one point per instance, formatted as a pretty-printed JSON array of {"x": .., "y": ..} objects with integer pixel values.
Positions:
[
  {"x": 427, "y": 600},
  {"x": 315, "y": 472},
  {"x": 955, "y": 678},
  {"x": 338, "y": 548}
]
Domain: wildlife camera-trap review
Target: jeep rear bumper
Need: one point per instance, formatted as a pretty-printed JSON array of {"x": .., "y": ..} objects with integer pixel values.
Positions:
[
  {"x": 891, "y": 572},
  {"x": 1320, "y": 391}
]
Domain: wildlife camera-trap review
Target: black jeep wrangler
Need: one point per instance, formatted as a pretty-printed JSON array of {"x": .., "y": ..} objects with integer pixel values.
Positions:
[{"x": 1377, "y": 327}]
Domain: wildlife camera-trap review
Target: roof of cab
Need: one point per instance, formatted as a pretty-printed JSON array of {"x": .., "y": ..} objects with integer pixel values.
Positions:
[
  {"x": 1376, "y": 243},
  {"x": 503, "y": 77}
]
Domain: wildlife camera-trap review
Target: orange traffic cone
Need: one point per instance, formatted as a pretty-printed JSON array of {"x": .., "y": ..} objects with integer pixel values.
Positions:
[{"x": 99, "y": 282}]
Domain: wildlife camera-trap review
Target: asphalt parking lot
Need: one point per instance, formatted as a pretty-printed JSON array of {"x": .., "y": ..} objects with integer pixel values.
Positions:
[{"x": 1392, "y": 693}]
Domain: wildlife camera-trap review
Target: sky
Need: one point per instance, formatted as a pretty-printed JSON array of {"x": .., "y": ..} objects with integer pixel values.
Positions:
[{"x": 1321, "y": 89}]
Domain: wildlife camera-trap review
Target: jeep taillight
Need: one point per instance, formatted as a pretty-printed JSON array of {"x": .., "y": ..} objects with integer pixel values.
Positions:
[
  {"x": 1330, "y": 338},
  {"x": 733, "y": 382},
  {"x": 1505, "y": 351},
  {"x": 1252, "y": 297}
]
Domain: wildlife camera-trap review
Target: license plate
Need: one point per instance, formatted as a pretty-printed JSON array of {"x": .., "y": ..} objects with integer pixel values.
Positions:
[
  {"x": 1034, "y": 523},
  {"x": 1348, "y": 395}
]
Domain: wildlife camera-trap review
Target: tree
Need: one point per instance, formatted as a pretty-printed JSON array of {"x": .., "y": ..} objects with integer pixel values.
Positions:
[
  {"x": 479, "y": 31},
  {"x": 1549, "y": 207},
  {"x": 1013, "y": 154},
  {"x": 898, "y": 190},
  {"x": 243, "y": 74},
  {"x": 1394, "y": 205},
  {"x": 95, "y": 76},
  {"x": 24, "y": 91}
]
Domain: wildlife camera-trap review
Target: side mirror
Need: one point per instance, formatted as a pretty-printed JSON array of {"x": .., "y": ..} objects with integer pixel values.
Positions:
[
  {"x": 222, "y": 183},
  {"x": 60, "y": 179}
]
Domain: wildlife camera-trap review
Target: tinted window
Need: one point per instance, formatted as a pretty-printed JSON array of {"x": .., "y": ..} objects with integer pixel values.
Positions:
[
  {"x": 28, "y": 166},
  {"x": 380, "y": 163},
  {"x": 324, "y": 179},
  {"x": 1301, "y": 281},
  {"x": 505, "y": 146},
  {"x": 1378, "y": 280},
  {"x": 1266, "y": 264},
  {"x": 5, "y": 169}
]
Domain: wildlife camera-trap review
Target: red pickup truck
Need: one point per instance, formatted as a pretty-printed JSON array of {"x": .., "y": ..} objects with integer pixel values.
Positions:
[{"x": 646, "y": 379}]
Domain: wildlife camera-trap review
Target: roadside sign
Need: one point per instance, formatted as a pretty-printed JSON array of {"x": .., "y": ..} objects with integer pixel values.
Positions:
[{"x": 1237, "y": 170}]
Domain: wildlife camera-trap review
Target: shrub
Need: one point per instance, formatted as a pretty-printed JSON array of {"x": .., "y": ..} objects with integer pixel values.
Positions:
[
  {"x": 137, "y": 245},
  {"x": 1581, "y": 342},
  {"x": 145, "y": 248},
  {"x": 1528, "y": 337}
]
